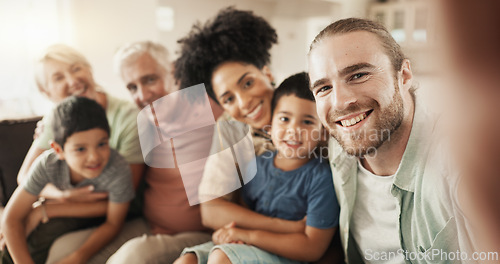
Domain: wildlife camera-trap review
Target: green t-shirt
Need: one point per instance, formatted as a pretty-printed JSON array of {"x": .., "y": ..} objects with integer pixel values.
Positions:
[{"x": 124, "y": 138}]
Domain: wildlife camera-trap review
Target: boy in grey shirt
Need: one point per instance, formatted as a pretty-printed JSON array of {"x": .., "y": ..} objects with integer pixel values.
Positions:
[{"x": 80, "y": 156}]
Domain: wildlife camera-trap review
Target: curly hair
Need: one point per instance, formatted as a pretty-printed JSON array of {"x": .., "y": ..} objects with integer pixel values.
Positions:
[{"x": 234, "y": 35}]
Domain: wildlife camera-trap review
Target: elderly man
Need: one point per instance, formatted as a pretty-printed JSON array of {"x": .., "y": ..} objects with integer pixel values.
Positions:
[
  {"x": 395, "y": 205},
  {"x": 172, "y": 223}
]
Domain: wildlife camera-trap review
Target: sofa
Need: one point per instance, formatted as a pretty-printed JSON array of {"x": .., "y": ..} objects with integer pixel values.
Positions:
[{"x": 16, "y": 137}]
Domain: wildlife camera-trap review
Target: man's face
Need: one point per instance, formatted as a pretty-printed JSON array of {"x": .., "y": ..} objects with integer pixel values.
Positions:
[
  {"x": 146, "y": 80},
  {"x": 358, "y": 97}
]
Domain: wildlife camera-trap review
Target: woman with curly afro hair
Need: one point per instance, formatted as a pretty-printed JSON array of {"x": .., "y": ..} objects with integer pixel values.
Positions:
[{"x": 230, "y": 55}]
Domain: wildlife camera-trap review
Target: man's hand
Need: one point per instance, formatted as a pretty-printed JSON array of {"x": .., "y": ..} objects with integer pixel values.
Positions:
[
  {"x": 32, "y": 221},
  {"x": 73, "y": 258},
  {"x": 2, "y": 241},
  {"x": 83, "y": 194},
  {"x": 230, "y": 234}
]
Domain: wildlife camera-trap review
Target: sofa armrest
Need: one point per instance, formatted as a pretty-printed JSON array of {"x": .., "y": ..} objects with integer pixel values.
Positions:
[{"x": 16, "y": 137}]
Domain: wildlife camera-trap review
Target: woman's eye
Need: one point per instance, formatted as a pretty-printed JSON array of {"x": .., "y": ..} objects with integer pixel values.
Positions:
[
  {"x": 58, "y": 78},
  {"x": 228, "y": 100},
  {"x": 284, "y": 119},
  {"x": 248, "y": 84},
  {"x": 76, "y": 68},
  {"x": 103, "y": 144},
  {"x": 150, "y": 79}
]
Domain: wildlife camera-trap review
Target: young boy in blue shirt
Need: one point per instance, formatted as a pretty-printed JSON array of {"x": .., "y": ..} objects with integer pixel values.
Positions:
[
  {"x": 291, "y": 184},
  {"x": 80, "y": 156}
]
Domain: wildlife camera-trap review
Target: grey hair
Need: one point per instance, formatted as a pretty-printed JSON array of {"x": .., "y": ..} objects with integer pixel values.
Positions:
[
  {"x": 131, "y": 51},
  {"x": 57, "y": 52}
]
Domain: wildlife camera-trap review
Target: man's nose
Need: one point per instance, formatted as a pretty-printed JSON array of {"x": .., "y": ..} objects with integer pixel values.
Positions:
[
  {"x": 143, "y": 95},
  {"x": 342, "y": 97}
]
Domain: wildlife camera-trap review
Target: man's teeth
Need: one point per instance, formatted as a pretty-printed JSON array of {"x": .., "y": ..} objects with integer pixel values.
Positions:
[
  {"x": 353, "y": 121},
  {"x": 254, "y": 113}
]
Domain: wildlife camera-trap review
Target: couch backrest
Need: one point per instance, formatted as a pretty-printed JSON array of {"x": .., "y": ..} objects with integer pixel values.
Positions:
[{"x": 16, "y": 137}]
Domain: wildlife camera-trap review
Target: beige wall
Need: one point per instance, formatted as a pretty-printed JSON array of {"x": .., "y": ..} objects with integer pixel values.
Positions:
[{"x": 99, "y": 27}]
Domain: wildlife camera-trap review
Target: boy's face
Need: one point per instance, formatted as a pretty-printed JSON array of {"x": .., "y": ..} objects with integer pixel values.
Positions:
[
  {"x": 86, "y": 153},
  {"x": 296, "y": 129}
]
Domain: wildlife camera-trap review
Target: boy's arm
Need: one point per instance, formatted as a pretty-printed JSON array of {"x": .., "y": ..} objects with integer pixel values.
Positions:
[
  {"x": 218, "y": 212},
  {"x": 13, "y": 223},
  {"x": 102, "y": 235},
  {"x": 86, "y": 193},
  {"x": 76, "y": 209},
  {"x": 308, "y": 246},
  {"x": 32, "y": 154},
  {"x": 81, "y": 194}
]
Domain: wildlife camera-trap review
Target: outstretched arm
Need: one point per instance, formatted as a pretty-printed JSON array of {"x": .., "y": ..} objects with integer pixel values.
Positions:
[
  {"x": 217, "y": 213},
  {"x": 32, "y": 154},
  {"x": 102, "y": 235},
  {"x": 307, "y": 246},
  {"x": 13, "y": 224}
]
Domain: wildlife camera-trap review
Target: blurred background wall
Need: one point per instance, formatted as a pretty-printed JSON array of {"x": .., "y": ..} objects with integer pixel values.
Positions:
[{"x": 98, "y": 27}]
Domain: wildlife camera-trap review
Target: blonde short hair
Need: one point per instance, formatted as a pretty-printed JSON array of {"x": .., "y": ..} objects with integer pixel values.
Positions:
[{"x": 60, "y": 53}]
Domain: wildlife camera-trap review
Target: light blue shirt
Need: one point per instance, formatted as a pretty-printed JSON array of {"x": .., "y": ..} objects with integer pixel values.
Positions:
[
  {"x": 426, "y": 220},
  {"x": 291, "y": 195}
]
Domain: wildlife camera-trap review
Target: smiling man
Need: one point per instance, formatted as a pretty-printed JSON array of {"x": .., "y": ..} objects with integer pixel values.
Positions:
[{"x": 395, "y": 204}]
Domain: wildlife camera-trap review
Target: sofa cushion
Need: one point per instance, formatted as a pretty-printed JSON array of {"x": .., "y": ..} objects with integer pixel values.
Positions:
[{"x": 16, "y": 137}]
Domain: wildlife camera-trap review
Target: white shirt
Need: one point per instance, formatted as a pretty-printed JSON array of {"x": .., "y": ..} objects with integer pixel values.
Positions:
[{"x": 375, "y": 218}]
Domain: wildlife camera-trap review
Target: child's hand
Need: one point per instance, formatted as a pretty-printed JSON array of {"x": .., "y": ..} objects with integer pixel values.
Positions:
[
  {"x": 83, "y": 194},
  {"x": 230, "y": 234}
]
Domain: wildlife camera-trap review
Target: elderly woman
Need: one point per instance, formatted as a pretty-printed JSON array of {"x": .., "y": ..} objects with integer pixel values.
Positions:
[{"x": 61, "y": 72}]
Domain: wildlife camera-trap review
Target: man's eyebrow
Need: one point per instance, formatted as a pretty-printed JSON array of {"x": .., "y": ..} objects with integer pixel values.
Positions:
[
  {"x": 350, "y": 69},
  {"x": 319, "y": 83},
  {"x": 147, "y": 76}
]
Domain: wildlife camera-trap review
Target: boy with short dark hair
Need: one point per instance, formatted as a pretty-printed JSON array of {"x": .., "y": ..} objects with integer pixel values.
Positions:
[
  {"x": 290, "y": 184},
  {"x": 80, "y": 156}
]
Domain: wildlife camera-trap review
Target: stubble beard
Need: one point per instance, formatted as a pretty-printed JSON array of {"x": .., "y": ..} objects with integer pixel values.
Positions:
[{"x": 366, "y": 141}]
